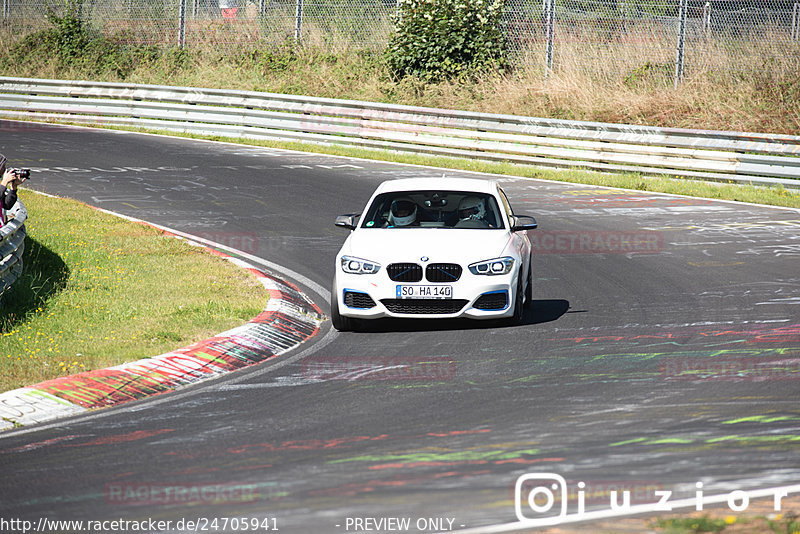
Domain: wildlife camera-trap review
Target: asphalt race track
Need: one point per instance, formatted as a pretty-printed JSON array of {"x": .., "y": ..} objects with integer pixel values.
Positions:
[{"x": 663, "y": 350}]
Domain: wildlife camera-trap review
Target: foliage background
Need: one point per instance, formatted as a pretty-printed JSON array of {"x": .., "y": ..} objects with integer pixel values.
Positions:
[{"x": 440, "y": 39}]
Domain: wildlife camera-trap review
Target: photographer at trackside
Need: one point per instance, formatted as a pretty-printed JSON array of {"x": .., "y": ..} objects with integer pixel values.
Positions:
[{"x": 8, "y": 191}]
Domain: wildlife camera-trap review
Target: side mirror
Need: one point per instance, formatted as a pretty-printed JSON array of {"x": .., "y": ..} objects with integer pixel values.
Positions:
[
  {"x": 348, "y": 221},
  {"x": 523, "y": 222}
]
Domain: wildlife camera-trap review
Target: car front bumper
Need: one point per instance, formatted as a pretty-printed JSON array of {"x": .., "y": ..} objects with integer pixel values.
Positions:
[{"x": 474, "y": 297}]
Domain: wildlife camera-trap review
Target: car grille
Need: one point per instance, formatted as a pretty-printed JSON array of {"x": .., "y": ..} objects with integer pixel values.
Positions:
[
  {"x": 424, "y": 306},
  {"x": 443, "y": 272},
  {"x": 492, "y": 301},
  {"x": 355, "y": 299},
  {"x": 404, "y": 272}
]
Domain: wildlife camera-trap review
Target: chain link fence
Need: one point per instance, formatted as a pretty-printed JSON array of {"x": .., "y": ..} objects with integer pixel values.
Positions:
[
  {"x": 646, "y": 38},
  {"x": 601, "y": 38}
]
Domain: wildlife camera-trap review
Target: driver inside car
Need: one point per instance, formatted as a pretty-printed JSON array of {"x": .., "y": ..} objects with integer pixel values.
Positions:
[
  {"x": 472, "y": 213},
  {"x": 403, "y": 212}
]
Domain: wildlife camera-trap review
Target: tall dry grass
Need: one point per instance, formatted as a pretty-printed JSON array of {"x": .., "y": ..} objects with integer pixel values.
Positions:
[{"x": 742, "y": 86}]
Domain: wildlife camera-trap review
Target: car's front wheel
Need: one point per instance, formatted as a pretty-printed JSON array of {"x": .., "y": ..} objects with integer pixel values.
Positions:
[
  {"x": 529, "y": 288},
  {"x": 519, "y": 303},
  {"x": 340, "y": 322}
]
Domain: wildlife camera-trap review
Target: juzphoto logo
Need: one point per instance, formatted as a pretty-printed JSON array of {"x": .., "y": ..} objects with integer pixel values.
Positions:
[{"x": 545, "y": 499}]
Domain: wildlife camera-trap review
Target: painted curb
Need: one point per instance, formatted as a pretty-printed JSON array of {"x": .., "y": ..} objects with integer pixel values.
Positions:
[{"x": 289, "y": 319}]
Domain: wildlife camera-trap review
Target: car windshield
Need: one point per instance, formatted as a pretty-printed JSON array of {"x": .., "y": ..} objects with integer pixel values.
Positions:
[{"x": 433, "y": 209}]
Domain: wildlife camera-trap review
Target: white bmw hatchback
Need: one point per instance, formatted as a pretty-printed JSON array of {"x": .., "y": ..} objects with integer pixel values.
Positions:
[{"x": 433, "y": 248}]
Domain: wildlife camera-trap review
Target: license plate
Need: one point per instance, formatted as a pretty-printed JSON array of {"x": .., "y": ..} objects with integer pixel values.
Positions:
[{"x": 424, "y": 292}]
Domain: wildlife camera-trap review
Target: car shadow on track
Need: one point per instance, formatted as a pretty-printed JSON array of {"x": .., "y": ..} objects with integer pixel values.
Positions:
[{"x": 542, "y": 311}]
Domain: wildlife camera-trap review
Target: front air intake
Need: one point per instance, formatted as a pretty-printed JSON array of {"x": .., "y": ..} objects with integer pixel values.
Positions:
[
  {"x": 497, "y": 300},
  {"x": 424, "y": 306},
  {"x": 356, "y": 299}
]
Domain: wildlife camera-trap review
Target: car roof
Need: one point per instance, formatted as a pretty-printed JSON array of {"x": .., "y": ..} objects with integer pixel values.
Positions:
[{"x": 476, "y": 185}]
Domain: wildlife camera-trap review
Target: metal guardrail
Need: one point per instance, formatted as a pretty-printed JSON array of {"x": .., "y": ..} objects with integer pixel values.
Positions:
[
  {"x": 744, "y": 158},
  {"x": 12, "y": 245}
]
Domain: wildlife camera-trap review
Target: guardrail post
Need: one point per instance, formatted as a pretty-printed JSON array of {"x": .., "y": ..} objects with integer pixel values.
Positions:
[
  {"x": 707, "y": 19},
  {"x": 298, "y": 21},
  {"x": 681, "y": 42},
  {"x": 182, "y": 24},
  {"x": 549, "y": 22},
  {"x": 795, "y": 21}
]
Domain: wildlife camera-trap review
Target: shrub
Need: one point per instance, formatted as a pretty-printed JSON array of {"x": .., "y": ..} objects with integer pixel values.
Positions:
[
  {"x": 70, "y": 44},
  {"x": 66, "y": 41},
  {"x": 437, "y": 39},
  {"x": 71, "y": 35}
]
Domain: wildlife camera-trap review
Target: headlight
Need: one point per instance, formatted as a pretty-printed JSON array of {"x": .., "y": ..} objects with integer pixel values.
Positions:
[
  {"x": 493, "y": 267},
  {"x": 358, "y": 266}
]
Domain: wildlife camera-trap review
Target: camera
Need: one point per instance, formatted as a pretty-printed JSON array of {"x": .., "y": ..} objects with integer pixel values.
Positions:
[{"x": 23, "y": 174}]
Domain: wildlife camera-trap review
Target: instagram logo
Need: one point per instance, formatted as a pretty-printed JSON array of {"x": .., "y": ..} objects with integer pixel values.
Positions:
[{"x": 540, "y": 492}]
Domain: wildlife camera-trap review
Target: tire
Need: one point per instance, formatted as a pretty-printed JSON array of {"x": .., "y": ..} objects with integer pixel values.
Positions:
[
  {"x": 529, "y": 289},
  {"x": 519, "y": 304},
  {"x": 340, "y": 323}
]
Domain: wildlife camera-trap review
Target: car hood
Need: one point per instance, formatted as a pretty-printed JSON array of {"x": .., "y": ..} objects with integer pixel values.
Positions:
[{"x": 438, "y": 244}]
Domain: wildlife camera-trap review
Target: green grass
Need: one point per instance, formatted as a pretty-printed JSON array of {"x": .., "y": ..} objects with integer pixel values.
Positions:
[
  {"x": 693, "y": 524},
  {"x": 776, "y": 523},
  {"x": 98, "y": 291}
]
